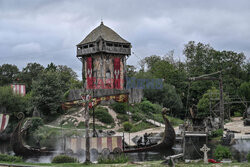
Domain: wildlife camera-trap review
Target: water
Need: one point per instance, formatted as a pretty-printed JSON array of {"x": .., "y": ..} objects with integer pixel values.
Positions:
[{"x": 239, "y": 153}]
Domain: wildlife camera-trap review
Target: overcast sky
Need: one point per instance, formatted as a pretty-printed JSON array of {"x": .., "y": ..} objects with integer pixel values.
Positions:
[{"x": 45, "y": 31}]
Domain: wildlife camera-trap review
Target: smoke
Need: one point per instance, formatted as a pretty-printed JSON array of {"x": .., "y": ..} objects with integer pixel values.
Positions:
[
  {"x": 242, "y": 146},
  {"x": 240, "y": 150}
]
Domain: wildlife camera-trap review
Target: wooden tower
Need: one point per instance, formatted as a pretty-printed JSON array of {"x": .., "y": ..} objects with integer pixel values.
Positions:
[{"x": 103, "y": 54}]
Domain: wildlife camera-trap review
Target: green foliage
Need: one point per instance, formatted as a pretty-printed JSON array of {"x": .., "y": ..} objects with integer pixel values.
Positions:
[
  {"x": 127, "y": 126},
  {"x": 63, "y": 159},
  {"x": 123, "y": 117},
  {"x": 8, "y": 74},
  {"x": 148, "y": 107},
  {"x": 174, "y": 121},
  {"x": 167, "y": 97},
  {"x": 141, "y": 126},
  {"x": 29, "y": 73},
  {"x": 217, "y": 133},
  {"x": 35, "y": 123},
  {"x": 222, "y": 152},
  {"x": 138, "y": 116},
  {"x": 244, "y": 90},
  {"x": 13, "y": 103},
  {"x": 248, "y": 157},
  {"x": 237, "y": 114},
  {"x": 120, "y": 107},
  {"x": 47, "y": 93},
  {"x": 103, "y": 115},
  {"x": 113, "y": 159},
  {"x": 203, "y": 105},
  {"x": 10, "y": 158}
]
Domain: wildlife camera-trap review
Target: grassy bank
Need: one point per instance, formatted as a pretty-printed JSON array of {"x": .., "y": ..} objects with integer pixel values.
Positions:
[{"x": 130, "y": 164}]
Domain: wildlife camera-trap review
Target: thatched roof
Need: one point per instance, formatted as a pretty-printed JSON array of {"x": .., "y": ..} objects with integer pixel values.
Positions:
[{"x": 105, "y": 33}]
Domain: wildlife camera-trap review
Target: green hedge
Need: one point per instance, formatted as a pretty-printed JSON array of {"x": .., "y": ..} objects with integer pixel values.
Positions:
[
  {"x": 217, "y": 133},
  {"x": 10, "y": 158},
  {"x": 103, "y": 115},
  {"x": 127, "y": 126},
  {"x": 123, "y": 117},
  {"x": 63, "y": 159},
  {"x": 120, "y": 107},
  {"x": 115, "y": 159},
  {"x": 222, "y": 152}
]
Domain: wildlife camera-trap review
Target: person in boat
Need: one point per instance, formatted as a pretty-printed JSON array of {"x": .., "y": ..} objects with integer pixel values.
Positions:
[
  {"x": 139, "y": 142},
  {"x": 146, "y": 139}
]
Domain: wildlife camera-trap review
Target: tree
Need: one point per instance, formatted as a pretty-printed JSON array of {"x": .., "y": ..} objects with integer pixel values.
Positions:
[
  {"x": 8, "y": 74},
  {"x": 166, "y": 97},
  {"x": 12, "y": 102},
  {"x": 47, "y": 93},
  {"x": 29, "y": 73},
  {"x": 203, "y": 105},
  {"x": 244, "y": 91},
  {"x": 130, "y": 71}
]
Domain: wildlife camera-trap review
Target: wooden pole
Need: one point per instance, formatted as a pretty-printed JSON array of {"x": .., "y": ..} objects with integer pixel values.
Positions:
[
  {"x": 87, "y": 130},
  {"x": 221, "y": 104}
]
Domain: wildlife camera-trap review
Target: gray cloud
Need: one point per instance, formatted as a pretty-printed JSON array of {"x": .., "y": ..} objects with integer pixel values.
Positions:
[{"x": 47, "y": 31}]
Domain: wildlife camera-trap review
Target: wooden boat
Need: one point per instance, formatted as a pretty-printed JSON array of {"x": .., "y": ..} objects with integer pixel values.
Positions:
[
  {"x": 18, "y": 144},
  {"x": 166, "y": 142}
]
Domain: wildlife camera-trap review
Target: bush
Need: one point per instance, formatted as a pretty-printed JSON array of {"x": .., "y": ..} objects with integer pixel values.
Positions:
[
  {"x": 217, "y": 133},
  {"x": 120, "y": 107},
  {"x": 237, "y": 114},
  {"x": 35, "y": 123},
  {"x": 248, "y": 157},
  {"x": 10, "y": 158},
  {"x": 127, "y": 126},
  {"x": 141, "y": 126},
  {"x": 63, "y": 159},
  {"x": 138, "y": 116},
  {"x": 123, "y": 117},
  {"x": 115, "y": 159},
  {"x": 103, "y": 115},
  {"x": 222, "y": 152},
  {"x": 148, "y": 107}
]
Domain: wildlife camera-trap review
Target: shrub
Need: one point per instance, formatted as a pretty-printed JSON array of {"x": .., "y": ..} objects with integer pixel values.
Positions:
[
  {"x": 237, "y": 114},
  {"x": 115, "y": 159},
  {"x": 35, "y": 123},
  {"x": 127, "y": 126},
  {"x": 248, "y": 157},
  {"x": 63, "y": 159},
  {"x": 10, "y": 158},
  {"x": 141, "y": 126},
  {"x": 120, "y": 107},
  {"x": 217, "y": 133},
  {"x": 222, "y": 152},
  {"x": 138, "y": 116},
  {"x": 148, "y": 107},
  {"x": 103, "y": 115},
  {"x": 123, "y": 117}
]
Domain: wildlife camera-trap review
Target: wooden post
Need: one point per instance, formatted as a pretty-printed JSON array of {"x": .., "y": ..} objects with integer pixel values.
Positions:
[
  {"x": 87, "y": 129},
  {"x": 221, "y": 103}
]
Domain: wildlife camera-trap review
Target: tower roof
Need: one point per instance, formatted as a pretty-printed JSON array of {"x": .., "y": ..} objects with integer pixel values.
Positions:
[{"x": 105, "y": 33}]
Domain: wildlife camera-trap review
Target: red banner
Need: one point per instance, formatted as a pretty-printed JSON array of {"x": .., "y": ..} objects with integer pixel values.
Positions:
[
  {"x": 89, "y": 73},
  {"x": 117, "y": 73}
]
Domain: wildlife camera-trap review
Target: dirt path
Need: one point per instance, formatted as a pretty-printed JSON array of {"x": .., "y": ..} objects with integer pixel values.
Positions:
[
  {"x": 155, "y": 123},
  {"x": 237, "y": 125}
]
